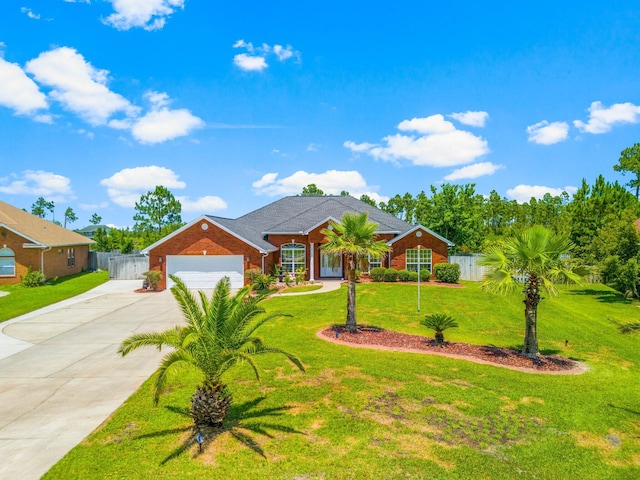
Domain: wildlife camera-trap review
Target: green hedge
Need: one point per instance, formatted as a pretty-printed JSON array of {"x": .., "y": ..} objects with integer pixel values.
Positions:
[
  {"x": 391, "y": 275},
  {"x": 404, "y": 275},
  {"x": 377, "y": 274},
  {"x": 447, "y": 272}
]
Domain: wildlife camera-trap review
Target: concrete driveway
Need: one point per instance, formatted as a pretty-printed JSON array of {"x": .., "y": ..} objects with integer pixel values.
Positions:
[{"x": 61, "y": 376}]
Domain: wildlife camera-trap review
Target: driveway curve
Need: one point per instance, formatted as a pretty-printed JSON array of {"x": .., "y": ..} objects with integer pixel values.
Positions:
[{"x": 61, "y": 376}]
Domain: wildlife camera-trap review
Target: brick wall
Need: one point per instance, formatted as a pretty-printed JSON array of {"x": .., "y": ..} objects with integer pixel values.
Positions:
[{"x": 439, "y": 249}]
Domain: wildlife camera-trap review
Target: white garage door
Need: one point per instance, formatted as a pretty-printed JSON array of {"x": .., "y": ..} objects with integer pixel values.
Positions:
[{"x": 204, "y": 271}]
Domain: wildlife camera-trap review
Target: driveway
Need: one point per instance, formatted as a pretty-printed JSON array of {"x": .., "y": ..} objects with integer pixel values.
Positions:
[{"x": 61, "y": 376}]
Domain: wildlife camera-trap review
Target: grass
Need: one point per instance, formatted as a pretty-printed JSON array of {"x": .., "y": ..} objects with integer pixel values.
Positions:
[
  {"x": 361, "y": 413},
  {"x": 301, "y": 288},
  {"x": 23, "y": 300}
]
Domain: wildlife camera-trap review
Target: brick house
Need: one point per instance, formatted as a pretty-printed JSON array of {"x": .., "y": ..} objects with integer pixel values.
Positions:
[
  {"x": 28, "y": 241},
  {"x": 285, "y": 235}
]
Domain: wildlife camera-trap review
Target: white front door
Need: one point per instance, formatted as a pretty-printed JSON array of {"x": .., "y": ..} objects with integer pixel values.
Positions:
[{"x": 330, "y": 265}]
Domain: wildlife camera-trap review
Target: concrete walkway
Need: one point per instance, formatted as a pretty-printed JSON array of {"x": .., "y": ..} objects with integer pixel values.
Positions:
[{"x": 61, "y": 376}]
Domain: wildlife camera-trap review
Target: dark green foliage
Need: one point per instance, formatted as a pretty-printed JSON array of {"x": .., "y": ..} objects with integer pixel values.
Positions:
[
  {"x": 413, "y": 276},
  {"x": 377, "y": 274},
  {"x": 41, "y": 206},
  {"x": 390, "y": 275},
  {"x": 629, "y": 162},
  {"x": 425, "y": 275},
  {"x": 447, "y": 272},
  {"x": 251, "y": 273},
  {"x": 621, "y": 275},
  {"x": 439, "y": 322},
  {"x": 33, "y": 278},
  {"x": 157, "y": 213},
  {"x": 263, "y": 283},
  {"x": 311, "y": 190},
  {"x": 153, "y": 277},
  {"x": 404, "y": 275},
  {"x": 95, "y": 219}
]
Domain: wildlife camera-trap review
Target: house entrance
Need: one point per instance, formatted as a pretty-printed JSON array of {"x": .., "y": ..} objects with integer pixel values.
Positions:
[{"x": 330, "y": 265}]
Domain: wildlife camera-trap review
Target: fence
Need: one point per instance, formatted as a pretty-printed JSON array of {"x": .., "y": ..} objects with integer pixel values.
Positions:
[
  {"x": 120, "y": 267},
  {"x": 469, "y": 268}
]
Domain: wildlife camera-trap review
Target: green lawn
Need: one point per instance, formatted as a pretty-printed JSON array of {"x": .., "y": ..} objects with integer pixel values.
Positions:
[
  {"x": 361, "y": 413},
  {"x": 23, "y": 300}
]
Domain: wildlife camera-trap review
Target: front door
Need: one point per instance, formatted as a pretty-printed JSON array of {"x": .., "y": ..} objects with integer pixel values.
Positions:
[{"x": 330, "y": 265}]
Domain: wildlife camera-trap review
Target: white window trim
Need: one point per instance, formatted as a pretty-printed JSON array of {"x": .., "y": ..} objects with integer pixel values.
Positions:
[
  {"x": 291, "y": 267},
  {"x": 424, "y": 264},
  {"x": 11, "y": 257}
]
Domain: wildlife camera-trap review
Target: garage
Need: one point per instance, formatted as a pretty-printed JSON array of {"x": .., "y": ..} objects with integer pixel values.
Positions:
[{"x": 203, "y": 272}]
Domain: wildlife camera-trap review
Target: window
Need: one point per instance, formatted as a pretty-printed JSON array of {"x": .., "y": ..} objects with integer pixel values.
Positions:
[
  {"x": 292, "y": 257},
  {"x": 7, "y": 262},
  {"x": 424, "y": 259},
  {"x": 374, "y": 262},
  {"x": 71, "y": 257}
]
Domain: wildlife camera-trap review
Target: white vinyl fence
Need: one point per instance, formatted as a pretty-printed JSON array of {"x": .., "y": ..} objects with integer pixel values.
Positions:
[{"x": 469, "y": 268}]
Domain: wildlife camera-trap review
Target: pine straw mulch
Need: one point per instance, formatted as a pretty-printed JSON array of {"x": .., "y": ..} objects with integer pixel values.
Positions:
[{"x": 377, "y": 338}]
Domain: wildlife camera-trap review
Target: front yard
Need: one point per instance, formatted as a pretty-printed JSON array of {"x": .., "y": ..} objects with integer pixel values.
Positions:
[{"x": 363, "y": 413}]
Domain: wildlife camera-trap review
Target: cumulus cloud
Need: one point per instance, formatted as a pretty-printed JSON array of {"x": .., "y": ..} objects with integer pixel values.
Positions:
[
  {"x": 206, "y": 204},
  {"x": 545, "y": 133},
  {"x": 438, "y": 143},
  {"x": 331, "y": 182},
  {"x": 602, "y": 119},
  {"x": 473, "y": 171},
  {"x": 18, "y": 92},
  {"x": 523, "y": 193},
  {"x": 255, "y": 58},
  {"x": 161, "y": 123},
  {"x": 146, "y": 14},
  {"x": 473, "y": 119},
  {"x": 30, "y": 13},
  {"x": 38, "y": 182},
  {"x": 78, "y": 86},
  {"x": 126, "y": 186}
]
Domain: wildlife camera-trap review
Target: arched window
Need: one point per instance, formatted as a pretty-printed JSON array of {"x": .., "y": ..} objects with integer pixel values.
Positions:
[
  {"x": 292, "y": 256},
  {"x": 7, "y": 262}
]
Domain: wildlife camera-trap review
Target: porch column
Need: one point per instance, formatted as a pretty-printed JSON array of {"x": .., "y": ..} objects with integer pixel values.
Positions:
[{"x": 312, "y": 262}]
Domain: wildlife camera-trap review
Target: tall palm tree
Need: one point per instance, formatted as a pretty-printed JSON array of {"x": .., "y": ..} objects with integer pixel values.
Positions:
[
  {"x": 218, "y": 335},
  {"x": 534, "y": 259},
  {"x": 354, "y": 239}
]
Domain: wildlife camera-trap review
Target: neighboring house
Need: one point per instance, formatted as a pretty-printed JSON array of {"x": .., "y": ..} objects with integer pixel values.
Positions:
[
  {"x": 28, "y": 241},
  {"x": 285, "y": 234},
  {"x": 90, "y": 231}
]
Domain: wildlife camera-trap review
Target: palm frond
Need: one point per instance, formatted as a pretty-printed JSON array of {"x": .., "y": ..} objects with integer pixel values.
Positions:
[
  {"x": 171, "y": 362},
  {"x": 170, "y": 338}
]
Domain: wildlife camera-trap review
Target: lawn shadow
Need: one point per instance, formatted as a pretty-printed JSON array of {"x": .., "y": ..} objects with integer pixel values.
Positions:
[
  {"x": 243, "y": 420},
  {"x": 604, "y": 297},
  {"x": 634, "y": 412}
]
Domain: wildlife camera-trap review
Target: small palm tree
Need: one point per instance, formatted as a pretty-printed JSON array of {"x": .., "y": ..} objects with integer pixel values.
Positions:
[
  {"x": 534, "y": 259},
  {"x": 439, "y": 322},
  {"x": 355, "y": 239},
  {"x": 219, "y": 334}
]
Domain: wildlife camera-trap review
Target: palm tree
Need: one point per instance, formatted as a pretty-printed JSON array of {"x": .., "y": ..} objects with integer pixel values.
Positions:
[
  {"x": 439, "y": 322},
  {"x": 534, "y": 258},
  {"x": 218, "y": 335},
  {"x": 354, "y": 239}
]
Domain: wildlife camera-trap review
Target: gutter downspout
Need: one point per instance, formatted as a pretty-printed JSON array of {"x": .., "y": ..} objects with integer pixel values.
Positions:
[
  {"x": 264, "y": 255},
  {"x": 42, "y": 250}
]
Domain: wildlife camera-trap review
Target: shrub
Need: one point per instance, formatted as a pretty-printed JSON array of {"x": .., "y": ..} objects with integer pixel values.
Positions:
[
  {"x": 439, "y": 322},
  {"x": 391, "y": 275},
  {"x": 425, "y": 275},
  {"x": 33, "y": 278},
  {"x": 447, "y": 272},
  {"x": 404, "y": 275},
  {"x": 376, "y": 274},
  {"x": 251, "y": 274},
  {"x": 413, "y": 276},
  {"x": 153, "y": 278},
  {"x": 301, "y": 274},
  {"x": 263, "y": 283}
]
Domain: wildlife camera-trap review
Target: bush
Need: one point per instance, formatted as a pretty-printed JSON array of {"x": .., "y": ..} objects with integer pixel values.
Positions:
[
  {"x": 263, "y": 283},
  {"x": 376, "y": 274},
  {"x": 33, "y": 278},
  {"x": 391, "y": 275},
  {"x": 301, "y": 275},
  {"x": 251, "y": 274},
  {"x": 404, "y": 275},
  {"x": 447, "y": 272},
  {"x": 425, "y": 275},
  {"x": 413, "y": 276},
  {"x": 153, "y": 278}
]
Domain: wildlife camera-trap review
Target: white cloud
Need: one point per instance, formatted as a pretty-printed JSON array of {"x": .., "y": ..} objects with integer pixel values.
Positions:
[
  {"x": 147, "y": 14},
  {"x": 30, "y": 13},
  {"x": 545, "y": 133},
  {"x": 255, "y": 60},
  {"x": 473, "y": 171},
  {"x": 126, "y": 186},
  {"x": 38, "y": 182},
  {"x": 18, "y": 91},
  {"x": 78, "y": 86},
  {"x": 93, "y": 206},
  {"x": 439, "y": 144},
  {"x": 473, "y": 119},
  {"x": 161, "y": 123},
  {"x": 205, "y": 204},
  {"x": 602, "y": 119},
  {"x": 523, "y": 193},
  {"x": 331, "y": 182},
  {"x": 250, "y": 63},
  {"x": 313, "y": 147}
]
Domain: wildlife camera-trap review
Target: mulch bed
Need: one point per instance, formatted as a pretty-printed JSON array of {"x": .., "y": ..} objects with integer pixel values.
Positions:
[
  {"x": 374, "y": 337},
  {"x": 147, "y": 290}
]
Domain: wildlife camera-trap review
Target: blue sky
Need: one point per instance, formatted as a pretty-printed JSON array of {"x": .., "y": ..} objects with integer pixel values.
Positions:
[{"x": 232, "y": 105}]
